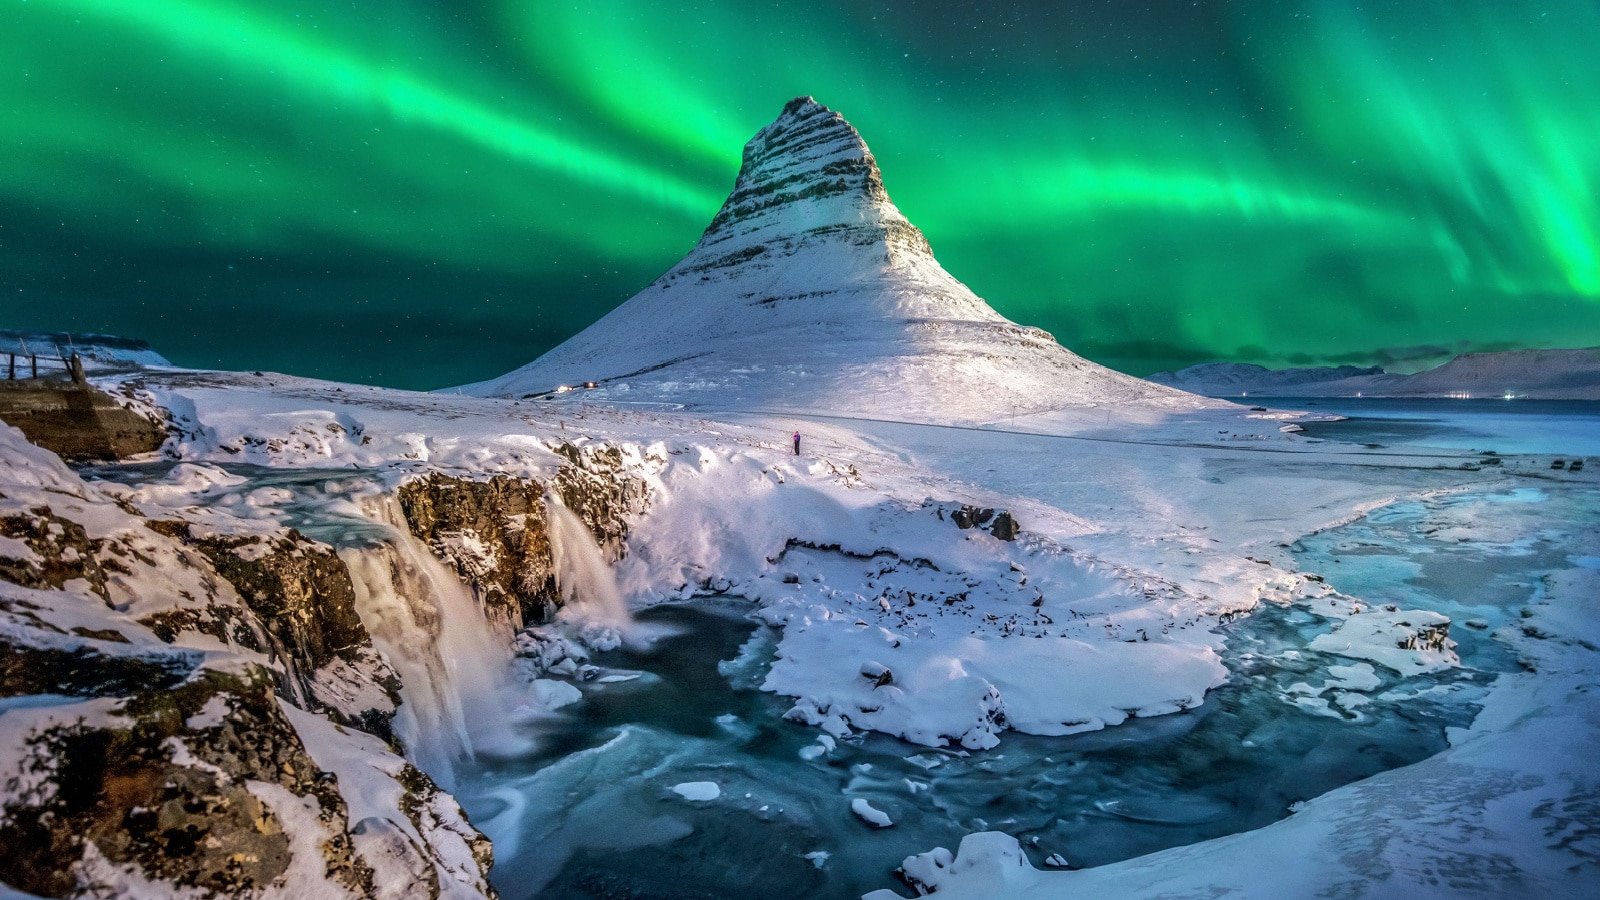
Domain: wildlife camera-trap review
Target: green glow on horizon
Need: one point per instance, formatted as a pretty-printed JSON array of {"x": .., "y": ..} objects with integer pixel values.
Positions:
[{"x": 1280, "y": 182}]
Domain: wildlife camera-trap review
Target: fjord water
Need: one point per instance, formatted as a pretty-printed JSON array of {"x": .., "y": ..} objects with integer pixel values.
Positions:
[{"x": 1505, "y": 426}]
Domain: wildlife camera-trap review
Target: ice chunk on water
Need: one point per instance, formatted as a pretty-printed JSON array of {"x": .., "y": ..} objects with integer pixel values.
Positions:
[
  {"x": 1409, "y": 641},
  {"x": 550, "y": 694},
  {"x": 870, "y": 814},
  {"x": 1359, "y": 677},
  {"x": 704, "y": 791}
]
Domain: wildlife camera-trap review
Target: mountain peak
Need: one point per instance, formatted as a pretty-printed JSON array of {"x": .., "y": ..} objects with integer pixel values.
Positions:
[
  {"x": 800, "y": 104},
  {"x": 808, "y": 169}
]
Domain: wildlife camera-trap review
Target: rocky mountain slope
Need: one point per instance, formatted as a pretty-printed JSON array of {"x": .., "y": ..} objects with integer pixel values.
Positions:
[
  {"x": 810, "y": 291},
  {"x": 1534, "y": 374}
]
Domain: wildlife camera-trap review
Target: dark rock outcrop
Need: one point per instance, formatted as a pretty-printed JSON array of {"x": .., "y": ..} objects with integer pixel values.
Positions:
[
  {"x": 60, "y": 552},
  {"x": 86, "y": 672},
  {"x": 301, "y": 594},
  {"x": 170, "y": 788},
  {"x": 299, "y": 589},
  {"x": 495, "y": 535},
  {"x": 1427, "y": 637},
  {"x": 77, "y": 421},
  {"x": 1002, "y": 524}
]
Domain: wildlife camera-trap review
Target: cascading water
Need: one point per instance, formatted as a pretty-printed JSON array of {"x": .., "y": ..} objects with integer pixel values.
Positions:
[
  {"x": 454, "y": 667},
  {"x": 589, "y": 593}
]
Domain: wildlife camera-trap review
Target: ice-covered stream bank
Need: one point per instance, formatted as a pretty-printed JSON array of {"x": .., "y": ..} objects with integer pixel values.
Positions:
[
  {"x": 1504, "y": 810},
  {"x": 594, "y": 811}
]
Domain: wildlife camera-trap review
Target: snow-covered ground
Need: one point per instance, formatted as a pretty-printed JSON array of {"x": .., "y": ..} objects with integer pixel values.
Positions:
[{"x": 1140, "y": 536}]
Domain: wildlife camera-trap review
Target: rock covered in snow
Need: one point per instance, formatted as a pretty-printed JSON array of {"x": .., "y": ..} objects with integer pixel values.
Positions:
[
  {"x": 165, "y": 725},
  {"x": 494, "y": 529}
]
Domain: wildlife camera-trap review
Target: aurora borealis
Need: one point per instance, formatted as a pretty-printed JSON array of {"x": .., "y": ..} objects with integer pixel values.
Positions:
[{"x": 421, "y": 194}]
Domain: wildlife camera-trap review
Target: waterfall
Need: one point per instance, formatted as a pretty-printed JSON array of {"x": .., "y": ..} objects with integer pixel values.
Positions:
[
  {"x": 456, "y": 686},
  {"x": 589, "y": 592}
]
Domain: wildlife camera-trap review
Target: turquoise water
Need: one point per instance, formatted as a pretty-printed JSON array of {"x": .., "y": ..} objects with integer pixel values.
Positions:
[{"x": 592, "y": 813}]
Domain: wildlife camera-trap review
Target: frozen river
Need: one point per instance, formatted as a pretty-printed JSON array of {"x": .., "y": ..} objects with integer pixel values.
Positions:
[{"x": 593, "y": 811}]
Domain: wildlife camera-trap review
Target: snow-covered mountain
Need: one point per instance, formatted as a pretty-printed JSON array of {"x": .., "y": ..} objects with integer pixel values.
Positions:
[
  {"x": 1535, "y": 374},
  {"x": 1553, "y": 374},
  {"x": 810, "y": 291},
  {"x": 1226, "y": 379}
]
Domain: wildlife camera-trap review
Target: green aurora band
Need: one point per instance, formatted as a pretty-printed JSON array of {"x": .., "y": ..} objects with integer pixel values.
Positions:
[{"x": 425, "y": 194}]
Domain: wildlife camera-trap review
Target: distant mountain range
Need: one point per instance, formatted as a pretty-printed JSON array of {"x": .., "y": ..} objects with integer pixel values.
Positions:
[
  {"x": 811, "y": 291},
  {"x": 1532, "y": 374}
]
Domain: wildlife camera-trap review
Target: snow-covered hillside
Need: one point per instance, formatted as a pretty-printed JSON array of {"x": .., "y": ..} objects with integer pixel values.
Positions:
[
  {"x": 811, "y": 292},
  {"x": 1550, "y": 374},
  {"x": 99, "y": 351},
  {"x": 1533, "y": 374}
]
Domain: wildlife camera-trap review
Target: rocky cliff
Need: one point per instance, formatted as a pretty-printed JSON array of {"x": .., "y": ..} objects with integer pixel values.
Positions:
[
  {"x": 190, "y": 700},
  {"x": 494, "y": 530},
  {"x": 77, "y": 421}
]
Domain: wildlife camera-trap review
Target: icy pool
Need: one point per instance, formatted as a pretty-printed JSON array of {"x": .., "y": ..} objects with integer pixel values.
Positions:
[{"x": 595, "y": 813}]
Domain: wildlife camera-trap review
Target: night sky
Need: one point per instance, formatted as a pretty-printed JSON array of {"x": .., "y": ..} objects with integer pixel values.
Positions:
[{"x": 424, "y": 194}]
